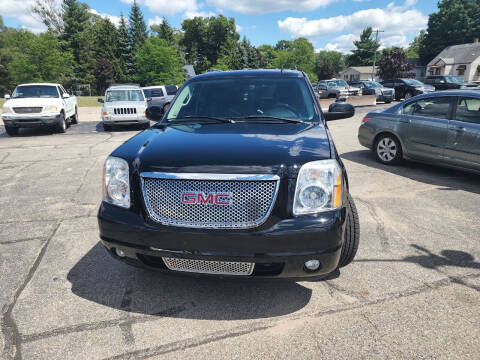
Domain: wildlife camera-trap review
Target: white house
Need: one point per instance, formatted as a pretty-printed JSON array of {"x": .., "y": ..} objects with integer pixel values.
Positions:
[
  {"x": 459, "y": 60},
  {"x": 353, "y": 73}
]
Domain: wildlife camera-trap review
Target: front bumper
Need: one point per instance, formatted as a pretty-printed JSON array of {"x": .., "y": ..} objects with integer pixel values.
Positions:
[
  {"x": 124, "y": 120},
  {"x": 279, "y": 250},
  {"x": 34, "y": 120}
]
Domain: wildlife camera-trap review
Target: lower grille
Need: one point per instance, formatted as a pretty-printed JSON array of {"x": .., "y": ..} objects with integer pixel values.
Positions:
[
  {"x": 209, "y": 267},
  {"x": 124, "y": 111},
  {"x": 188, "y": 200},
  {"x": 27, "y": 110}
]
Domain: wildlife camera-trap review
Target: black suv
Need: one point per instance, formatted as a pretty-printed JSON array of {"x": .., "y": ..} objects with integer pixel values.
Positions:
[
  {"x": 407, "y": 88},
  {"x": 449, "y": 82},
  {"x": 239, "y": 178}
]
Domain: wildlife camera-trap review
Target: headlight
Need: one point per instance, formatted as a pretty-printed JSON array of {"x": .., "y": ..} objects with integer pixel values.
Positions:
[
  {"x": 7, "y": 110},
  {"x": 378, "y": 91},
  {"x": 319, "y": 187},
  {"x": 116, "y": 189},
  {"x": 51, "y": 108}
]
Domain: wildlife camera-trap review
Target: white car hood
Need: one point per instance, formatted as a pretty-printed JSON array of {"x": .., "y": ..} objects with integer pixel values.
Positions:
[{"x": 32, "y": 102}]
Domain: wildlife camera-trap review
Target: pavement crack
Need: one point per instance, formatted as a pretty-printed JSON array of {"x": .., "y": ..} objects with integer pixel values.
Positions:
[
  {"x": 13, "y": 339},
  {"x": 8, "y": 242},
  {"x": 385, "y": 246}
]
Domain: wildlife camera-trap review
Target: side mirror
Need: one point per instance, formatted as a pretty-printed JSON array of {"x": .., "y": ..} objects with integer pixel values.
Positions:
[
  {"x": 7, "y": 97},
  {"x": 149, "y": 99},
  {"x": 65, "y": 96},
  {"x": 339, "y": 110},
  {"x": 101, "y": 101},
  {"x": 154, "y": 113}
]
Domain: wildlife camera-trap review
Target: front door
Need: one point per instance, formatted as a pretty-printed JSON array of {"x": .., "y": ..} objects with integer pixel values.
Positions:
[
  {"x": 428, "y": 127},
  {"x": 463, "y": 141}
]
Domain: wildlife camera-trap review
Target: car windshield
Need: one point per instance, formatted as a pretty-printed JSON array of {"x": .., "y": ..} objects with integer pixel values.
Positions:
[
  {"x": 124, "y": 95},
  {"x": 372, "y": 85},
  {"x": 412, "y": 82},
  {"x": 35, "y": 91},
  {"x": 337, "y": 83},
  {"x": 453, "y": 80},
  {"x": 244, "y": 97},
  {"x": 171, "y": 89}
]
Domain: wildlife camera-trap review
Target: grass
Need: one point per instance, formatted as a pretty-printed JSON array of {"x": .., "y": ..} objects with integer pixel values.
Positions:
[{"x": 83, "y": 101}]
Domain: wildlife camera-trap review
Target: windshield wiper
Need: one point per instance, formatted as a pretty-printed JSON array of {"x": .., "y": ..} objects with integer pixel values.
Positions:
[
  {"x": 217, "y": 119},
  {"x": 263, "y": 117}
]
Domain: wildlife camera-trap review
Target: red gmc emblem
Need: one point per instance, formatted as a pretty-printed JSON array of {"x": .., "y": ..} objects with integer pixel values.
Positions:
[{"x": 200, "y": 198}]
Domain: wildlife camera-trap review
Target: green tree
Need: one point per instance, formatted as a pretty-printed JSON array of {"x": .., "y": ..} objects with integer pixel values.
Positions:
[
  {"x": 194, "y": 42},
  {"x": 328, "y": 64},
  {"x": 413, "y": 50},
  {"x": 157, "y": 63},
  {"x": 50, "y": 13},
  {"x": 125, "y": 52},
  {"x": 393, "y": 64},
  {"x": 138, "y": 29},
  {"x": 456, "y": 22},
  {"x": 267, "y": 55},
  {"x": 284, "y": 45},
  {"x": 300, "y": 55},
  {"x": 220, "y": 32},
  {"x": 365, "y": 50},
  {"x": 104, "y": 75},
  {"x": 164, "y": 31}
]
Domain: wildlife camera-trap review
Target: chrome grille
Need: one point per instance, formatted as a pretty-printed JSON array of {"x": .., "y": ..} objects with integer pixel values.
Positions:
[
  {"x": 27, "y": 110},
  {"x": 209, "y": 267},
  {"x": 124, "y": 111},
  {"x": 252, "y": 199},
  {"x": 387, "y": 92}
]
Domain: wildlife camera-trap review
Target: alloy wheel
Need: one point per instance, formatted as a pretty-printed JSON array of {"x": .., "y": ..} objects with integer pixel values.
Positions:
[{"x": 387, "y": 149}]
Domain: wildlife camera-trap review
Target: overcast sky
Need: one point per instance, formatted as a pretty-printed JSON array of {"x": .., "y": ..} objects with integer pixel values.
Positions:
[{"x": 329, "y": 24}]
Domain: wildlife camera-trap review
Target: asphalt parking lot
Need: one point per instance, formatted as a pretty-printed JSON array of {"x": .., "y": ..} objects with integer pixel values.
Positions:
[{"x": 412, "y": 293}]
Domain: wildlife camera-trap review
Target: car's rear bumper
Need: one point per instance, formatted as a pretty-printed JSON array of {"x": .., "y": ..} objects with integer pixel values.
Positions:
[
  {"x": 278, "y": 251},
  {"x": 366, "y": 136},
  {"x": 30, "y": 121}
]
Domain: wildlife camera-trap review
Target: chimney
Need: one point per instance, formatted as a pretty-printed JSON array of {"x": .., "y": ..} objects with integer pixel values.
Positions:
[{"x": 475, "y": 41}]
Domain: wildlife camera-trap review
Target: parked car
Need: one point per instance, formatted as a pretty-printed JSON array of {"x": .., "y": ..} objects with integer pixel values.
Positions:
[
  {"x": 440, "y": 128},
  {"x": 124, "y": 105},
  {"x": 374, "y": 88},
  {"x": 39, "y": 105},
  {"x": 239, "y": 178},
  {"x": 160, "y": 95},
  {"x": 407, "y": 88},
  {"x": 337, "y": 88},
  {"x": 320, "y": 91},
  {"x": 449, "y": 82}
]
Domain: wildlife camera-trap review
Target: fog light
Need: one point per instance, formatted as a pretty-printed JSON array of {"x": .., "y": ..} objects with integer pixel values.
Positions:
[
  {"x": 312, "y": 265},
  {"x": 119, "y": 253}
]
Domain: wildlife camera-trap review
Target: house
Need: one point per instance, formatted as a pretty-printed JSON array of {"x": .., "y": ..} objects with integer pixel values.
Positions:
[
  {"x": 418, "y": 71},
  {"x": 353, "y": 73},
  {"x": 459, "y": 60}
]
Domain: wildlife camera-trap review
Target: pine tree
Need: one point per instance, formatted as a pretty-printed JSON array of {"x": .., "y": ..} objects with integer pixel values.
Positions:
[
  {"x": 138, "y": 29},
  {"x": 124, "y": 51},
  {"x": 365, "y": 50},
  {"x": 164, "y": 31}
]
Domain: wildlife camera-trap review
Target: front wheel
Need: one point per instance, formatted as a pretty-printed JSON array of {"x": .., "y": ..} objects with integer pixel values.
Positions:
[
  {"x": 62, "y": 124},
  {"x": 351, "y": 238},
  {"x": 388, "y": 149},
  {"x": 11, "y": 131}
]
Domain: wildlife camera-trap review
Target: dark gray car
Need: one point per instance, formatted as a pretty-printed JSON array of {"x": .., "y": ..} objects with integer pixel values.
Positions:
[{"x": 439, "y": 128}]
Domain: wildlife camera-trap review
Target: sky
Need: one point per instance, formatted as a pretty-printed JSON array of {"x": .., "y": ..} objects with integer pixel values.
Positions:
[{"x": 328, "y": 24}]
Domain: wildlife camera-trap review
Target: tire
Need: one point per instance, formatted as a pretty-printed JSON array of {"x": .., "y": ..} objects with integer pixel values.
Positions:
[
  {"x": 11, "y": 131},
  {"x": 388, "y": 101},
  {"x": 107, "y": 127},
  {"x": 75, "y": 117},
  {"x": 388, "y": 149},
  {"x": 351, "y": 238},
  {"x": 62, "y": 124}
]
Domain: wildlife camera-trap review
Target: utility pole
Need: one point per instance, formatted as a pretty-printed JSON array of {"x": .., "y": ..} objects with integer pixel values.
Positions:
[{"x": 375, "y": 53}]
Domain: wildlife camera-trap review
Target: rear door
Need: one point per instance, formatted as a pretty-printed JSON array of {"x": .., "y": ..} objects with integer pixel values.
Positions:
[
  {"x": 463, "y": 141},
  {"x": 427, "y": 130}
]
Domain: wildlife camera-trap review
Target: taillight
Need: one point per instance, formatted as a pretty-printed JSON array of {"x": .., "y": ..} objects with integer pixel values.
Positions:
[{"x": 365, "y": 119}]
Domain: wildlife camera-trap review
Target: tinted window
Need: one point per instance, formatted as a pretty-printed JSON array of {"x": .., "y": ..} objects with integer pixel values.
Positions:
[
  {"x": 171, "y": 89},
  {"x": 35, "y": 91},
  {"x": 430, "y": 107},
  {"x": 157, "y": 92},
  {"x": 468, "y": 110},
  {"x": 243, "y": 97},
  {"x": 412, "y": 82}
]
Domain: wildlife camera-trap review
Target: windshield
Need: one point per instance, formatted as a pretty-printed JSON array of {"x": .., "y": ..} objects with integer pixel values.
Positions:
[
  {"x": 337, "y": 83},
  {"x": 412, "y": 82},
  {"x": 372, "y": 85},
  {"x": 35, "y": 91},
  {"x": 124, "y": 95},
  {"x": 239, "y": 98},
  {"x": 453, "y": 80}
]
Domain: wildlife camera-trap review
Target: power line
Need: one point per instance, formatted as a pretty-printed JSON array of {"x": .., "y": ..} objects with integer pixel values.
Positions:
[{"x": 375, "y": 52}]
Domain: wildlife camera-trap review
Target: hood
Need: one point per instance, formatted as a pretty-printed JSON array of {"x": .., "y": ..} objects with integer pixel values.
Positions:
[
  {"x": 245, "y": 148},
  {"x": 31, "y": 102}
]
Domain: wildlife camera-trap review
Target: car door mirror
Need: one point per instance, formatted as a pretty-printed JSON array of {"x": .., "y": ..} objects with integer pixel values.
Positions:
[
  {"x": 7, "y": 97},
  {"x": 154, "y": 113},
  {"x": 101, "y": 101},
  {"x": 65, "y": 96},
  {"x": 339, "y": 110}
]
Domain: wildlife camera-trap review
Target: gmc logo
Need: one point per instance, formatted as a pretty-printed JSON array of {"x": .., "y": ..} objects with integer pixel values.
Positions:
[{"x": 200, "y": 198}]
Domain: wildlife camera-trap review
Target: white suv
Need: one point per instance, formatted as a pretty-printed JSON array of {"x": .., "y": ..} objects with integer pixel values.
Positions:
[{"x": 124, "y": 105}]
